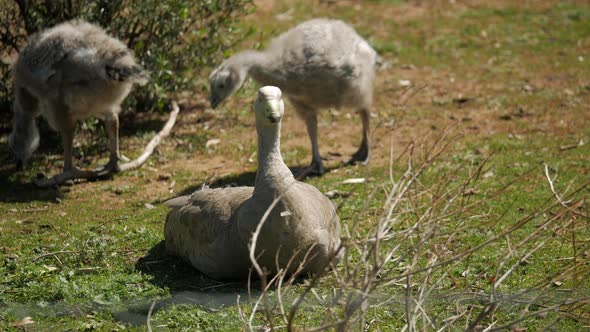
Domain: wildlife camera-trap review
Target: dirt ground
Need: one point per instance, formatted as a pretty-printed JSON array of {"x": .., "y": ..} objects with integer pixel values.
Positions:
[
  {"x": 456, "y": 96},
  {"x": 460, "y": 100}
]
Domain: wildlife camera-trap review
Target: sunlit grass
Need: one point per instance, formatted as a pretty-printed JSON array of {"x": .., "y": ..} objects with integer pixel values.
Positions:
[{"x": 90, "y": 258}]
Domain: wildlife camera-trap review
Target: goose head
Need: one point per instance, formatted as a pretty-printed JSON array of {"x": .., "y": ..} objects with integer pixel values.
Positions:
[
  {"x": 269, "y": 106},
  {"x": 223, "y": 82}
]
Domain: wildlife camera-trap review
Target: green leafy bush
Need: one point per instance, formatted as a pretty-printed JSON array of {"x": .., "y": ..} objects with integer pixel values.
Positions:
[{"x": 172, "y": 39}]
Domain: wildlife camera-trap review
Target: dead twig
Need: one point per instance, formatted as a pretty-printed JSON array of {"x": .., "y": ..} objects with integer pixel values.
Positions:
[
  {"x": 565, "y": 204},
  {"x": 572, "y": 146},
  {"x": 55, "y": 253},
  {"x": 151, "y": 146},
  {"x": 35, "y": 209},
  {"x": 149, "y": 315}
]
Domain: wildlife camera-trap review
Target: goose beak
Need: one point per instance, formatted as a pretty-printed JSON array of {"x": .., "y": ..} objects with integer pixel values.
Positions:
[
  {"x": 273, "y": 118},
  {"x": 272, "y": 111}
]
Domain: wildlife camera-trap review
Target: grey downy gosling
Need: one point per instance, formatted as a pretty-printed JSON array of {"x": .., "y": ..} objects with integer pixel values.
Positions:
[
  {"x": 319, "y": 64},
  {"x": 70, "y": 72}
]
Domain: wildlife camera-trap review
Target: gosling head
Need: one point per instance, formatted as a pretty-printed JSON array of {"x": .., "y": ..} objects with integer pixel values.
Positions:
[
  {"x": 24, "y": 138},
  {"x": 269, "y": 106},
  {"x": 224, "y": 81}
]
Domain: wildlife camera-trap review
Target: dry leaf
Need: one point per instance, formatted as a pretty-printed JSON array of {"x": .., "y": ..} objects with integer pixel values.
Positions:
[
  {"x": 212, "y": 142},
  {"x": 25, "y": 321},
  {"x": 50, "y": 268},
  {"x": 251, "y": 158},
  {"x": 354, "y": 181},
  {"x": 404, "y": 83}
]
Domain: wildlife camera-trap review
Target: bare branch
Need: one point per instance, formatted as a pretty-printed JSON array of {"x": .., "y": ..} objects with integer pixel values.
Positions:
[
  {"x": 153, "y": 143},
  {"x": 149, "y": 315}
]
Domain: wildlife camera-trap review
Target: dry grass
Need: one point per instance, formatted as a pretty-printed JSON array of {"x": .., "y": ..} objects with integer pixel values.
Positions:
[{"x": 406, "y": 257}]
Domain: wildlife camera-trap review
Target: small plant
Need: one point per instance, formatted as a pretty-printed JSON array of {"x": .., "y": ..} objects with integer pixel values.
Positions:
[{"x": 172, "y": 39}]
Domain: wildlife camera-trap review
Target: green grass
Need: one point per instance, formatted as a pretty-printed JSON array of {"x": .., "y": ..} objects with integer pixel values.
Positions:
[
  {"x": 91, "y": 257},
  {"x": 100, "y": 276}
]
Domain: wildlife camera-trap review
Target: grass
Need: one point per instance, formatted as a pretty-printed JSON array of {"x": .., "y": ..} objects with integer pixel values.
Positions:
[{"x": 90, "y": 257}]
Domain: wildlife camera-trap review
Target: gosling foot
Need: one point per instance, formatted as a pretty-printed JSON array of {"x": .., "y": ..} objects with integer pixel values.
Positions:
[
  {"x": 360, "y": 157},
  {"x": 65, "y": 177},
  {"x": 315, "y": 169},
  {"x": 111, "y": 167}
]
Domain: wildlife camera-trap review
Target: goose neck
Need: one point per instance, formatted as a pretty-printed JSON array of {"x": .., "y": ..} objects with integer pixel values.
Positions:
[
  {"x": 272, "y": 170},
  {"x": 263, "y": 69}
]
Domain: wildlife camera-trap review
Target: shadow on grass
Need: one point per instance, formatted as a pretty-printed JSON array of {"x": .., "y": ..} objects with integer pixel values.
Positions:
[
  {"x": 245, "y": 179},
  {"x": 186, "y": 285},
  {"x": 18, "y": 186},
  {"x": 133, "y": 124},
  {"x": 178, "y": 276}
]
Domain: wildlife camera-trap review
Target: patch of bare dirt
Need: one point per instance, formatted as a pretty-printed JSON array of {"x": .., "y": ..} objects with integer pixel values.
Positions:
[{"x": 433, "y": 100}]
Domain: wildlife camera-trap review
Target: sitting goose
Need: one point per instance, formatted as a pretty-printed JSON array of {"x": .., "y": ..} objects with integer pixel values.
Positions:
[{"x": 212, "y": 228}]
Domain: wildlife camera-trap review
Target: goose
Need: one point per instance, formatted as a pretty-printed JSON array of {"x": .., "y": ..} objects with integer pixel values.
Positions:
[
  {"x": 66, "y": 73},
  {"x": 213, "y": 228},
  {"x": 320, "y": 63}
]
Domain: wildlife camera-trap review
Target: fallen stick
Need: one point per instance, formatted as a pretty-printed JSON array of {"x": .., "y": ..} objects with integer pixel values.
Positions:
[
  {"x": 55, "y": 253},
  {"x": 149, "y": 315},
  {"x": 151, "y": 146},
  {"x": 572, "y": 146}
]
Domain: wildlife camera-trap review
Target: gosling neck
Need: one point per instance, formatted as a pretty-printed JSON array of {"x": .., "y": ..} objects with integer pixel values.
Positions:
[
  {"x": 249, "y": 60},
  {"x": 260, "y": 66},
  {"x": 272, "y": 171}
]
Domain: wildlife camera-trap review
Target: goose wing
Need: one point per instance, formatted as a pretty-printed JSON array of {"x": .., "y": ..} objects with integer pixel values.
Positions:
[
  {"x": 200, "y": 220},
  {"x": 317, "y": 205}
]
